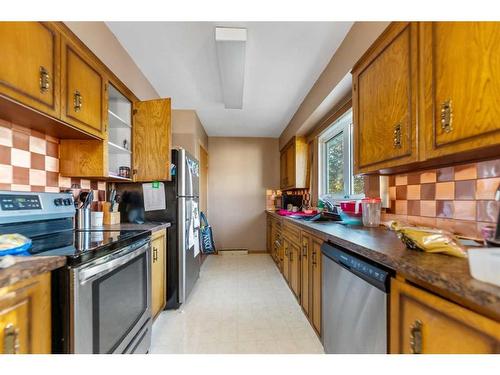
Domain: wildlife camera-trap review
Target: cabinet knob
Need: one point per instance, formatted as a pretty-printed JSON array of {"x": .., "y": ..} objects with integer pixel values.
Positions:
[
  {"x": 77, "y": 101},
  {"x": 446, "y": 116},
  {"x": 11, "y": 339},
  {"x": 44, "y": 80},
  {"x": 396, "y": 141},
  {"x": 416, "y": 337}
]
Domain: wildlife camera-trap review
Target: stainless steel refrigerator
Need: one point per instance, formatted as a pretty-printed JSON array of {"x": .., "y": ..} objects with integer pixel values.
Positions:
[
  {"x": 182, "y": 211},
  {"x": 183, "y": 248}
]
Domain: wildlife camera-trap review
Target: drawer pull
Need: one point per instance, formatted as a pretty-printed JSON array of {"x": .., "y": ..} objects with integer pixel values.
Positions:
[
  {"x": 11, "y": 339},
  {"x": 416, "y": 337},
  {"x": 446, "y": 116},
  {"x": 44, "y": 80},
  {"x": 397, "y": 136},
  {"x": 77, "y": 101}
]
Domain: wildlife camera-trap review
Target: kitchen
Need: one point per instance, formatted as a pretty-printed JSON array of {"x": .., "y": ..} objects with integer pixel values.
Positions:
[{"x": 153, "y": 201}]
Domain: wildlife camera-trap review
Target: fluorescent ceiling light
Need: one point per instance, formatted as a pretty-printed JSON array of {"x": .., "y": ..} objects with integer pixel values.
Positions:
[{"x": 230, "y": 44}]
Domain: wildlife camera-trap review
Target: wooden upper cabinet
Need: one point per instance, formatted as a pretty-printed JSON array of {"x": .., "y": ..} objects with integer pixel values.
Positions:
[
  {"x": 29, "y": 71},
  {"x": 293, "y": 164},
  {"x": 384, "y": 101},
  {"x": 152, "y": 140},
  {"x": 82, "y": 90},
  {"x": 461, "y": 86},
  {"x": 421, "y": 322}
]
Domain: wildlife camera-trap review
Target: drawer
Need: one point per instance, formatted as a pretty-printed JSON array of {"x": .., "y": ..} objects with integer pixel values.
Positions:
[{"x": 422, "y": 322}]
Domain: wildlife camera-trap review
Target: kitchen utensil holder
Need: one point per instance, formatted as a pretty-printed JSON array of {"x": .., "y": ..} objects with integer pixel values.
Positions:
[{"x": 83, "y": 220}]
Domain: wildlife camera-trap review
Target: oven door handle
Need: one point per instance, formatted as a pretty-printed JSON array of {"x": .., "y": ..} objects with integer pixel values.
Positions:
[{"x": 95, "y": 272}]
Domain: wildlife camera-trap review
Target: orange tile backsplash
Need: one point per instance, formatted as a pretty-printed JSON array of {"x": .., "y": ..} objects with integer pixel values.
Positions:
[
  {"x": 459, "y": 198},
  {"x": 29, "y": 161}
]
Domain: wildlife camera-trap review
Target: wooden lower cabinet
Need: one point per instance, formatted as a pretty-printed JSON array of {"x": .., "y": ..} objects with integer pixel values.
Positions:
[
  {"x": 158, "y": 271},
  {"x": 421, "y": 322},
  {"x": 305, "y": 264},
  {"x": 25, "y": 317},
  {"x": 286, "y": 260},
  {"x": 294, "y": 272},
  {"x": 315, "y": 280}
]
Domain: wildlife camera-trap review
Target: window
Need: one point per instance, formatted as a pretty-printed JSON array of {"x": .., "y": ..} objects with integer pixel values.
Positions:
[{"x": 336, "y": 166}]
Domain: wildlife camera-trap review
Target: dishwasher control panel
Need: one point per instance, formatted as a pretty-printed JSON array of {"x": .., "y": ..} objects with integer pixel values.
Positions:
[
  {"x": 367, "y": 271},
  {"x": 362, "y": 267}
]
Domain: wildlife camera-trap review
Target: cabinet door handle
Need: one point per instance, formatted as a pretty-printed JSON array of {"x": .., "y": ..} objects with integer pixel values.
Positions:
[
  {"x": 416, "y": 337},
  {"x": 77, "y": 101},
  {"x": 446, "y": 116},
  {"x": 155, "y": 254},
  {"x": 44, "y": 80},
  {"x": 396, "y": 141},
  {"x": 304, "y": 251},
  {"x": 11, "y": 339},
  {"x": 291, "y": 256},
  {"x": 314, "y": 258}
]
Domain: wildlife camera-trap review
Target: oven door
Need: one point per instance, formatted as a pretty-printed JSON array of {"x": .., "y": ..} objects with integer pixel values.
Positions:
[{"x": 112, "y": 302}]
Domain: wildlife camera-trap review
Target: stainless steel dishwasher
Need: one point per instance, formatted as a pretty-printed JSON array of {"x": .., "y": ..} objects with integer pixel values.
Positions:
[{"x": 354, "y": 303}]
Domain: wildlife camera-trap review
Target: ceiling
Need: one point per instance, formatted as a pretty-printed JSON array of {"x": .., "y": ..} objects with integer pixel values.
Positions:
[{"x": 283, "y": 60}]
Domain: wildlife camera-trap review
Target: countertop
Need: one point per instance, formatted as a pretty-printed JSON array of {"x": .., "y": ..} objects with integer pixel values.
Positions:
[
  {"x": 30, "y": 266},
  {"x": 443, "y": 274},
  {"x": 153, "y": 227}
]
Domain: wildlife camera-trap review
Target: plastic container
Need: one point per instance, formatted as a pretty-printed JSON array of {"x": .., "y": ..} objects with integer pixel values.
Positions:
[
  {"x": 350, "y": 218},
  {"x": 97, "y": 218},
  {"x": 484, "y": 264},
  {"x": 371, "y": 211}
]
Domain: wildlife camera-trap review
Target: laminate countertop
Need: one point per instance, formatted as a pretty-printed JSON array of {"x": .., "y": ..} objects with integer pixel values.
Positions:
[
  {"x": 445, "y": 275},
  {"x": 29, "y": 266},
  {"x": 153, "y": 227}
]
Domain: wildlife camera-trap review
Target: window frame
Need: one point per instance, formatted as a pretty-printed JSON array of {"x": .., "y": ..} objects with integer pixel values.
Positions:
[{"x": 342, "y": 124}]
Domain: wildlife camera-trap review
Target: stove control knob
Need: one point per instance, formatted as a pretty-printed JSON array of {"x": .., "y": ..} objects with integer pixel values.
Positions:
[{"x": 58, "y": 201}]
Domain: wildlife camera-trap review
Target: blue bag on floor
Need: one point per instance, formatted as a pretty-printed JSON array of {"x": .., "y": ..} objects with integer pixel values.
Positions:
[{"x": 206, "y": 236}]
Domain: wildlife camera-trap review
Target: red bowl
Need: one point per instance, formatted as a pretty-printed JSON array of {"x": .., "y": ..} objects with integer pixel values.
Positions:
[{"x": 349, "y": 207}]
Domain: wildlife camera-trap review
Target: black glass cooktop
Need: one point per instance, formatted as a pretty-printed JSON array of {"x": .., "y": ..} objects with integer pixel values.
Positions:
[{"x": 83, "y": 246}]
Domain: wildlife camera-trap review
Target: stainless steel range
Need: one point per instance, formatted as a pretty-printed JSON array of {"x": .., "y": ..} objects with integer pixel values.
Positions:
[{"x": 102, "y": 297}]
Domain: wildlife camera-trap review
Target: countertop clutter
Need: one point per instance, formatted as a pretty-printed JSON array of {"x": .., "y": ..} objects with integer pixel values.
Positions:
[{"x": 445, "y": 275}]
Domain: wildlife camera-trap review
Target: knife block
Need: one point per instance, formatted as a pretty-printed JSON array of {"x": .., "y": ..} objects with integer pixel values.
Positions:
[{"x": 110, "y": 217}]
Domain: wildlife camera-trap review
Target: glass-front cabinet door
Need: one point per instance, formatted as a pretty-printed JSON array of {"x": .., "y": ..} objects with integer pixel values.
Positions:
[{"x": 119, "y": 135}]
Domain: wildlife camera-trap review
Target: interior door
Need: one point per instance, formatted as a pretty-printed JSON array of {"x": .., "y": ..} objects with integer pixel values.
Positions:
[
  {"x": 384, "y": 102},
  {"x": 29, "y": 72},
  {"x": 151, "y": 140},
  {"x": 462, "y": 86}
]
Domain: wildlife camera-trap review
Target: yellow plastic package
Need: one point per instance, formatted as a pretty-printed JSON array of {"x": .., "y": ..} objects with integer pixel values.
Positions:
[{"x": 429, "y": 240}]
